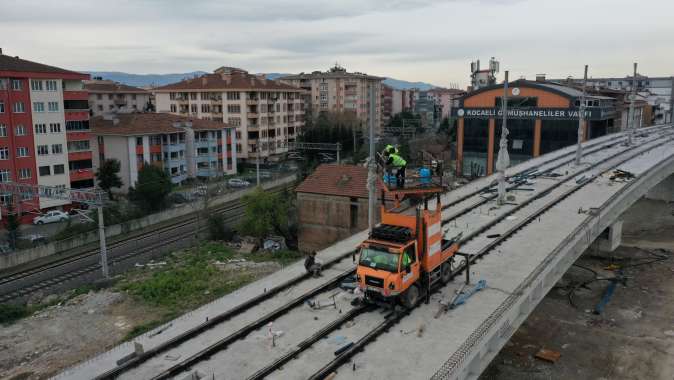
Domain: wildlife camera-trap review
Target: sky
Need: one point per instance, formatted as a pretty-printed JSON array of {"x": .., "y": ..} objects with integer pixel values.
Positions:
[{"x": 418, "y": 40}]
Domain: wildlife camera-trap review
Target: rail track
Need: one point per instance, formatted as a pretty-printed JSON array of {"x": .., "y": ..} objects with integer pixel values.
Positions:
[
  {"x": 23, "y": 283},
  {"x": 394, "y": 317}
]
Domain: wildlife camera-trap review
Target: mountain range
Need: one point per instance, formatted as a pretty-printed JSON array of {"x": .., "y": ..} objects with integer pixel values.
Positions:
[{"x": 145, "y": 80}]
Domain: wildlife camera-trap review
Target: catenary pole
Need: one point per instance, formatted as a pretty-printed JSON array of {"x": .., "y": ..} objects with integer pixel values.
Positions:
[
  {"x": 632, "y": 119},
  {"x": 503, "y": 160},
  {"x": 372, "y": 164},
  {"x": 101, "y": 237},
  {"x": 581, "y": 118}
]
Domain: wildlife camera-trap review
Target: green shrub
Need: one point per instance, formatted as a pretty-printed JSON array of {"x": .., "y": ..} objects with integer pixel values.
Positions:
[
  {"x": 217, "y": 229},
  {"x": 10, "y": 313}
]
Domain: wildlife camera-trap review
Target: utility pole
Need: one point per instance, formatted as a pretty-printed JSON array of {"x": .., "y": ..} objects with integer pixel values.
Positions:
[
  {"x": 671, "y": 103},
  {"x": 581, "y": 118},
  {"x": 372, "y": 164},
  {"x": 101, "y": 238},
  {"x": 633, "y": 96},
  {"x": 503, "y": 160}
]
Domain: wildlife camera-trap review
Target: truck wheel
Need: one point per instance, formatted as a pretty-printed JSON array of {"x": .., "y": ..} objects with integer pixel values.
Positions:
[
  {"x": 410, "y": 298},
  {"x": 446, "y": 273}
]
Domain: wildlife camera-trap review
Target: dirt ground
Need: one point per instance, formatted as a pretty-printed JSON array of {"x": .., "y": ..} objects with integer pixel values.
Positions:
[{"x": 632, "y": 339}]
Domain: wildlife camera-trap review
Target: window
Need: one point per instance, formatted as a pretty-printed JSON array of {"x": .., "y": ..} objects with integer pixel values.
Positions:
[
  {"x": 4, "y": 153},
  {"x": 24, "y": 173},
  {"x": 139, "y": 141},
  {"x": 57, "y": 148},
  {"x": 234, "y": 108},
  {"x": 100, "y": 107},
  {"x": 55, "y": 127},
  {"x": 44, "y": 170},
  {"x": 76, "y": 146},
  {"x": 18, "y": 107},
  {"x": 174, "y": 108},
  {"x": 233, "y": 95},
  {"x": 51, "y": 85},
  {"x": 5, "y": 175},
  {"x": 5, "y": 199},
  {"x": 16, "y": 85},
  {"x": 110, "y": 96},
  {"x": 38, "y": 107},
  {"x": 22, "y": 151},
  {"x": 59, "y": 169},
  {"x": 205, "y": 108},
  {"x": 36, "y": 85},
  {"x": 20, "y": 130},
  {"x": 133, "y": 96},
  {"x": 77, "y": 125},
  {"x": 40, "y": 129},
  {"x": 3, "y": 84},
  {"x": 42, "y": 150},
  {"x": 3, "y": 130},
  {"x": 2, "y": 107},
  {"x": 193, "y": 96},
  {"x": 194, "y": 108},
  {"x": 111, "y": 107},
  {"x": 99, "y": 96},
  {"x": 234, "y": 121},
  {"x": 53, "y": 106}
]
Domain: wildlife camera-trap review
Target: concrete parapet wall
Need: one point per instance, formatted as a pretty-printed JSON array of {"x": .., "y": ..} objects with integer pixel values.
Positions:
[
  {"x": 664, "y": 191},
  {"x": 64, "y": 246}
]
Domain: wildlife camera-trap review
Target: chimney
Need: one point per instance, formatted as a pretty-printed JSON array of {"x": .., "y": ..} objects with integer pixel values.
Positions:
[{"x": 540, "y": 77}]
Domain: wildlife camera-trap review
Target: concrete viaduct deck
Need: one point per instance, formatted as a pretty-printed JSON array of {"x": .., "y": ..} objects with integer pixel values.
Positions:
[{"x": 520, "y": 249}]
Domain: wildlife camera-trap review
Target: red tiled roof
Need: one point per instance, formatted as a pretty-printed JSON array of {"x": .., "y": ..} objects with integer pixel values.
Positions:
[
  {"x": 341, "y": 180},
  {"x": 16, "y": 64},
  {"x": 134, "y": 124},
  {"x": 238, "y": 81},
  {"x": 108, "y": 86}
]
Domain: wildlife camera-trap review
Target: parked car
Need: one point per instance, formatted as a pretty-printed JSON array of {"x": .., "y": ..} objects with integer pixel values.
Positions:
[
  {"x": 51, "y": 217},
  {"x": 236, "y": 182}
]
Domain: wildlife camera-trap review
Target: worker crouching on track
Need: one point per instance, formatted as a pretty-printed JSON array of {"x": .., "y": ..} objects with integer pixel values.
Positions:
[
  {"x": 393, "y": 159},
  {"x": 310, "y": 264}
]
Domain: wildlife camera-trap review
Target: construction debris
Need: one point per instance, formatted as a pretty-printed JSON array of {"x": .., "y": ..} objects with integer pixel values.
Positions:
[
  {"x": 548, "y": 355},
  {"x": 623, "y": 175}
]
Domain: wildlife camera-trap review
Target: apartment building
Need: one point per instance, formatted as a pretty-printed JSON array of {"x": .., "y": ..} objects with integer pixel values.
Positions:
[
  {"x": 267, "y": 115},
  {"x": 182, "y": 146},
  {"x": 337, "y": 90},
  {"x": 387, "y": 102},
  {"x": 44, "y": 130},
  {"x": 106, "y": 96},
  {"x": 446, "y": 98}
]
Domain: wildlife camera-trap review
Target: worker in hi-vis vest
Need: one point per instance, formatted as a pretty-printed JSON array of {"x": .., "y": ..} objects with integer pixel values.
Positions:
[
  {"x": 390, "y": 149},
  {"x": 394, "y": 160}
]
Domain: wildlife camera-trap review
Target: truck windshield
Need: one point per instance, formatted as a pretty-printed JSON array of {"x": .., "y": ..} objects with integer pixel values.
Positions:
[{"x": 379, "y": 259}]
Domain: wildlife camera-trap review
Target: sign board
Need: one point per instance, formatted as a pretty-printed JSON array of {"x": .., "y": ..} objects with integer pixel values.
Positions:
[{"x": 591, "y": 113}]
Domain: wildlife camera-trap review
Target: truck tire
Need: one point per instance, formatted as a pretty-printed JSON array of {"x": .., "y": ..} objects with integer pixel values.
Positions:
[
  {"x": 445, "y": 272},
  {"x": 410, "y": 298}
]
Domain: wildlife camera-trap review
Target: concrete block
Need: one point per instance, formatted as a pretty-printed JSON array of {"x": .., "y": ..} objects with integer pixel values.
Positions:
[{"x": 611, "y": 238}]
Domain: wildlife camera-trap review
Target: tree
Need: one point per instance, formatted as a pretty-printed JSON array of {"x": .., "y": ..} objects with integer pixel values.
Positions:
[
  {"x": 266, "y": 213},
  {"x": 107, "y": 175},
  {"x": 152, "y": 188},
  {"x": 13, "y": 225}
]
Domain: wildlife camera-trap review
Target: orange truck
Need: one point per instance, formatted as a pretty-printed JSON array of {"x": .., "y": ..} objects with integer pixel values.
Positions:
[{"x": 404, "y": 256}]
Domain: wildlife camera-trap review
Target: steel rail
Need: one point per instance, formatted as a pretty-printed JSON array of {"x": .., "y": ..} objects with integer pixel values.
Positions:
[
  {"x": 396, "y": 317},
  {"x": 241, "y": 333},
  {"x": 61, "y": 278}
]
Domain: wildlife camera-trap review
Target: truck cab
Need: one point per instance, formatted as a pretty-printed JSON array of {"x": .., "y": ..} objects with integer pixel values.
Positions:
[{"x": 386, "y": 268}]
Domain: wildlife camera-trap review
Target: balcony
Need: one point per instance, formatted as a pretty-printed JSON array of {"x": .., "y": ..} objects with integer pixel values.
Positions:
[
  {"x": 181, "y": 100},
  {"x": 178, "y": 178},
  {"x": 79, "y": 155},
  {"x": 75, "y": 95},
  {"x": 81, "y": 174},
  {"x": 174, "y": 147},
  {"x": 252, "y": 102},
  {"x": 216, "y": 99},
  {"x": 253, "y": 115},
  {"x": 120, "y": 102}
]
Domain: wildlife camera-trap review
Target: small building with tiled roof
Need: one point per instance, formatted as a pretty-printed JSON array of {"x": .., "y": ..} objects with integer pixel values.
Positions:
[
  {"x": 106, "y": 96},
  {"x": 267, "y": 115},
  {"x": 182, "y": 146},
  {"x": 332, "y": 204}
]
